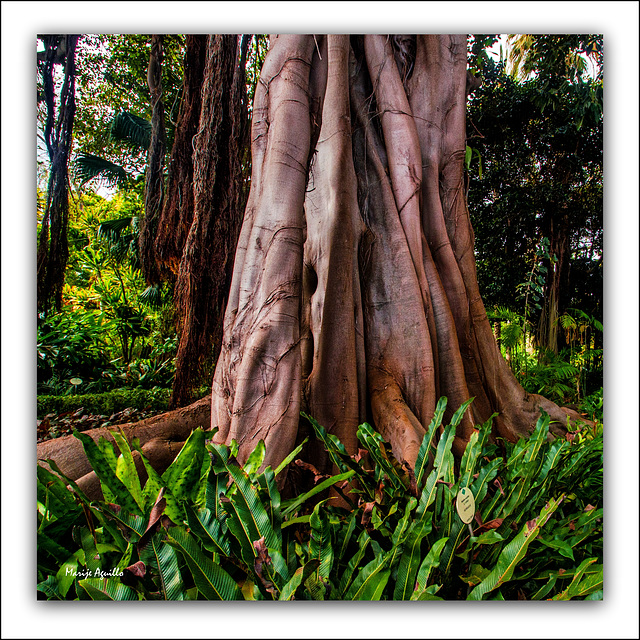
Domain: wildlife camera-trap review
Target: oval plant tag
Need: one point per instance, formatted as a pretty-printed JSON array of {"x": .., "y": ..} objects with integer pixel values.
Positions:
[{"x": 465, "y": 505}]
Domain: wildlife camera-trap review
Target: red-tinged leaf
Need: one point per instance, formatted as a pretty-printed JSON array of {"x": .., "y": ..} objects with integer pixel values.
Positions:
[
  {"x": 572, "y": 526},
  {"x": 531, "y": 525},
  {"x": 497, "y": 483},
  {"x": 492, "y": 524},
  {"x": 589, "y": 507},
  {"x": 366, "y": 515},
  {"x": 317, "y": 476},
  {"x": 157, "y": 512},
  {"x": 137, "y": 569},
  {"x": 261, "y": 560},
  {"x": 561, "y": 571}
]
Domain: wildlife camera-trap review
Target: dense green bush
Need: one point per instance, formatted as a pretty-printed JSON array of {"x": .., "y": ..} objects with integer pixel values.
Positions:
[
  {"x": 211, "y": 529},
  {"x": 106, "y": 403}
]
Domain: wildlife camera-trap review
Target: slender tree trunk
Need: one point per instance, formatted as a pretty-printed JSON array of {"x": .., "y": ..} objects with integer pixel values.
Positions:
[
  {"x": 154, "y": 182},
  {"x": 53, "y": 249}
]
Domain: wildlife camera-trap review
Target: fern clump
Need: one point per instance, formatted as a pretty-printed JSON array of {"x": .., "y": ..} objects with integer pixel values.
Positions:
[{"x": 210, "y": 528}]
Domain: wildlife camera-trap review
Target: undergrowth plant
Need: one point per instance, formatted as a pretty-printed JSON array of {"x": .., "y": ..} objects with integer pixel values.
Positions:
[{"x": 211, "y": 528}]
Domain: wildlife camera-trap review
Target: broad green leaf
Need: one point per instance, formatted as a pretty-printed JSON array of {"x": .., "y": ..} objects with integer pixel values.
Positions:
[
  {"x": 320, "y": 547},
  {"x": 431, "y": 561},
  {"x": 50, "y": 588},
  {"x": 370, "y": 581},
  {"x": 255, "y": 459},
  {"x": 582, "y": 585},
  {"x": 181, "y": 477},
  {"x": 440, "y": 466},
  {"x": 162, "y": 558},
  {"x": 213, "y": 582},
  {"x": 422, "y": 461},
  {"x": 410, "y": 559},
  {"x": 299, "y": 577},
  {"x": 107, "y": 589},
  {"x": 513, "y": 553},
  {"x": 251, "y": 510},
  {"x": 107, "y": 475},
  {"x": 126, "y": 469}
]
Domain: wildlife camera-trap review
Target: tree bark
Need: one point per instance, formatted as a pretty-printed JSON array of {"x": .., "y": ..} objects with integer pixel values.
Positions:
[
  {"x": 204, "y": 272},
  {"x": 154, "y": 180},
  {"x": 53, "y": 249},
  {"x": 354, "y": 293}
]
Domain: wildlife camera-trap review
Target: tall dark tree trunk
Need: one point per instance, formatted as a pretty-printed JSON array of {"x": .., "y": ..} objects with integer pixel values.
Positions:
[
  {"x": 218, "y": 195},
  {"x": 53, "y": 249},
  {"x": 154, "y": 182},
  {"x": 177, "y": 208}
]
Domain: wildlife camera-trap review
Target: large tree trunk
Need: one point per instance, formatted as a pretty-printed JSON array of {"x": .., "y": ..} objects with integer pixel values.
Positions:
[
  {"x": 354, "y": 293},
  {"x": 204, "y": 272},
  {"x": 53, "y": 249}
]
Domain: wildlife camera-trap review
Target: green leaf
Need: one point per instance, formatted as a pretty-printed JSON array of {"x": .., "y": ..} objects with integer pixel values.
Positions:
[
  {"x": 213, "y": 582},
  {"x": 370, "y": 581},
  {"x": 126, "y": 469},
  {"x": 182, "y": 475},
  {"x": 320, "y": 547},
  {"x": 107, "y": 589},
  {"x": 422, "y": 461},
  {"x": 410, "y": 559},
  {"x": 440, "y": 466},
  {"x": 100, "y": 464},
  {"x": 299, "y": 577},
  {"x": 292, "y": 507},
  {"x": 162, "y": 558},
  {"x": 431, "y": 561},
  {"x": 255, "y": 459},
  {"x": 287, "y": 461},
  {"x": 513, "y": 552}
]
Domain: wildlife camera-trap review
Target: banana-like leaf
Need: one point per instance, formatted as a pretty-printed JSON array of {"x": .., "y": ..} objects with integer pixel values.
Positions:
[
  {"x": 53, "y": 492},
  {"x": 251, "y": 510},
  {"x": 429, "y": 593},
  {"x": 345, "y": 581},
  {"x": 582, "y": 585},
  {"x": 422, "y": 461},
  {"x": 267, "y": 480},
  {"x": 50, "y": 588},
  {"x": 131, "y": 524},
  {"x": 126, "y": 469},
  {"x": 204, "y": 524},
  {"x": 456, "y": 535},
  {"x": 440, "y": 465},
  {"x": 299, "y": 577},
  {"x": 320, "y": 547},
  {"x": 293, "y": 506},
  {"x": 410, "y": 559},
  {"x": 255, "y": 459},
  {"x": 107, "y": 475},
  {"x": 431, "y": 561},
  {"x": 371, "y": 580},
  {"x": 341, "y": 458},
  {"x": 181, "y": 477},
  {"x": 128, "y": 127},
  {"x": 213, "y": 582},
  {"x": 162, "y": 559},
  {"x": 513, "y": 552},
  {"x": 107, "y": 589},
  {"x": 377, "y": 448}
]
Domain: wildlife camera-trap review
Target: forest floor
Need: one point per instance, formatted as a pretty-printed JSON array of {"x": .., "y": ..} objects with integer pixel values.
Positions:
[{"x": 55, "y": 425}]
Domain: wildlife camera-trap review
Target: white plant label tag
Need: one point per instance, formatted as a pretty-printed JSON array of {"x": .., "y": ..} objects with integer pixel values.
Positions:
[{"x": 465, "y": 505}]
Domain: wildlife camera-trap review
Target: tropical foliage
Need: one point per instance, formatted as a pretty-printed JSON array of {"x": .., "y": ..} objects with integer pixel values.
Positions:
[{"x": 210, "y": 529}]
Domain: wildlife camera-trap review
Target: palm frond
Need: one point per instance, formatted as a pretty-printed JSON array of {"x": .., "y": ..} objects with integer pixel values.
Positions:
[
  {"x": 90, "y": 167},
  {"x": 130, "y": 128}
]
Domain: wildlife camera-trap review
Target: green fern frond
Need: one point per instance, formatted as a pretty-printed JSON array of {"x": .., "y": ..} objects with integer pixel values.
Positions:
[
  {"x": 132, "y": 129},
  {"x": 89, "y": 167}
]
